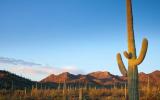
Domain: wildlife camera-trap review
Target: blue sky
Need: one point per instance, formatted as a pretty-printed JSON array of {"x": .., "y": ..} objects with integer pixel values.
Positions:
[{"x": 82, "y": 35}]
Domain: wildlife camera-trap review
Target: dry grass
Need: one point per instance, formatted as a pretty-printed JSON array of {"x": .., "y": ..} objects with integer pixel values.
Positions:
[{"x": 72, "y": 94}]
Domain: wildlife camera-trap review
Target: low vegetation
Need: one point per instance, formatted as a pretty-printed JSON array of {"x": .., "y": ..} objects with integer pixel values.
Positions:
[{"x": 115, "y": 93}]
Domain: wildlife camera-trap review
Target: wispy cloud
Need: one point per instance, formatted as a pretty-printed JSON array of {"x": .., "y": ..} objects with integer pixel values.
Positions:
[
  {"x": 33, "y": 70},
  {"x": 17, "y": 62}
]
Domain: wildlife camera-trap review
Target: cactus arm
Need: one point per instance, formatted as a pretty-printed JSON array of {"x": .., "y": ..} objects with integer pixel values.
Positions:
[
  {"x": 142, "y": 52},
  {"x": 121, "y": 65},
  {"x": 127, "y": 55}
]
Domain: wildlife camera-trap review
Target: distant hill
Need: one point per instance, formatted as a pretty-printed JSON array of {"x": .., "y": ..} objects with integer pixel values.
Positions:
[
  {"x": 154, "y": 78},
  {"x": 12, "y": 81}
]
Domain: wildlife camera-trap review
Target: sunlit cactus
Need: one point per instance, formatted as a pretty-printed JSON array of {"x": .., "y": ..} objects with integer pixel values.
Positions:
[
  {"x": 64, "y": 91},
  {"x": 36, "y": 86},
  {"x": 125, "y": 91},
  {"x": 32, "y": 90},
  {"x": 59, "y": 86},
  {"x": 25, "y": 91},
  {"x": 133, "y": 60},
  {"x": 148, "y": 88},
  {"x": 80, "y": 94}
]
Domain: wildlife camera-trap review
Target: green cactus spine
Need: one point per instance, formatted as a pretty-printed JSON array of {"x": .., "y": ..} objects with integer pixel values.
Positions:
[{"x": 133, "y": 60}]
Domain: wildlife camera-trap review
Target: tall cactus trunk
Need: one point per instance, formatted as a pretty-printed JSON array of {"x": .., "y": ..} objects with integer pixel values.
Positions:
[
  {"x": 133, "y": 83},
  {"x": 132, "y": 69},
  {"x": 133, "y": 61}
]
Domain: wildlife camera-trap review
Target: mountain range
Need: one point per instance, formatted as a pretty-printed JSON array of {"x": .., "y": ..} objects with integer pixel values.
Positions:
[
  {"x": 96, "y": 78},
  {"x": 100, "y": 78}
]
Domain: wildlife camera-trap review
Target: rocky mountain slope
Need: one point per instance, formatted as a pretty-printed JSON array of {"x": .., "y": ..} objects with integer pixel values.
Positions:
[{"x": 101, "y": 78}]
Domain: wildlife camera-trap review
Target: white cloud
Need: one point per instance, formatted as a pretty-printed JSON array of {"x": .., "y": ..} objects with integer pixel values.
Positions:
[{"x": 32, "y": 70}]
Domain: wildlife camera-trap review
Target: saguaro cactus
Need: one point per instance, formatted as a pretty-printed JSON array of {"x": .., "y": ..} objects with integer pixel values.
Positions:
[
  {"x": 133, "y": 60},
  {"x": 148, "y": 89},
  {"x": 80, "y": 94},
  {"x": 125, "y": 91}
]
